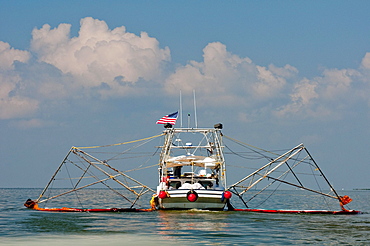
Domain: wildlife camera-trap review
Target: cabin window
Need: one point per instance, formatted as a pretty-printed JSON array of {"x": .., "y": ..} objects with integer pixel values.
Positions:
[
  {"x": 175, "y": 184},
  {"x": 206, "y": 184},
  {"x": 177, "y": 171}
]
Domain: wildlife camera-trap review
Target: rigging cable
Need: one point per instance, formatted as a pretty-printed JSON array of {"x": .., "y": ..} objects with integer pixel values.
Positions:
[
  {"x": 109, "y": 145},
  {"x": 70, "y": 179}
]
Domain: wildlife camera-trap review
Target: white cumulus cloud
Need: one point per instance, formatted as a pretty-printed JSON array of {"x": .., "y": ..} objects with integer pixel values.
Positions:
[
  {"x": 226, "y": 78},
  {"x": 13, "y": 104},
  {"x": 116, "y": 63},
  {"x": 327, "y": 95},
  {"x": 9, "y": 55},
  {"x": 99, "y": 54}
]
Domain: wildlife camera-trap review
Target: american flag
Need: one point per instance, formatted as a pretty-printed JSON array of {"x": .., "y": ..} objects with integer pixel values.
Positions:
[{"x": 171, "y": 118}]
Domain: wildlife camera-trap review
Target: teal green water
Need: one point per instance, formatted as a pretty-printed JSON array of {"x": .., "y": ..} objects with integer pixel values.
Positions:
[{"x": 20, "y": 226}]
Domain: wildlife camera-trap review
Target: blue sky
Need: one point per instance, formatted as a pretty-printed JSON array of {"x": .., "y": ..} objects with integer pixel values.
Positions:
[{"x": 275, "y": 73}]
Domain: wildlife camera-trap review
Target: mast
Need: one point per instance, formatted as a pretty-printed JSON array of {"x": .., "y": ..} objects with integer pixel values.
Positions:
[
  {"x": 165, "y": 153},
  {"x": 180, "y": 110},
  {"x": 219, "y": 153},
  {"x": 195, "y": 111}
]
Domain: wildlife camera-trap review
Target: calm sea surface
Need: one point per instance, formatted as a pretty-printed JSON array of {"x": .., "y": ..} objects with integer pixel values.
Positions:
[{"x": 21, "y": 226}]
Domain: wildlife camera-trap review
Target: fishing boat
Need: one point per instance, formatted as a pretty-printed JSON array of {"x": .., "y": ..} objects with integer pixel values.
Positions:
[
  {"x": 192, "y": 169},
  {"x": 191, "y": 174}
]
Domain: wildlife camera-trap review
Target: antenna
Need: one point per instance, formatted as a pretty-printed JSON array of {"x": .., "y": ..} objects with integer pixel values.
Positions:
[
  {"x": 195, "y": 111},
  {"x": 180, "y": 110}
]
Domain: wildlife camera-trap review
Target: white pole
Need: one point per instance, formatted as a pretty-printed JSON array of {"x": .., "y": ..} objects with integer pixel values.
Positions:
[
  {"x": 180, "y": 110},
  {"x": 195, "y": 111}
]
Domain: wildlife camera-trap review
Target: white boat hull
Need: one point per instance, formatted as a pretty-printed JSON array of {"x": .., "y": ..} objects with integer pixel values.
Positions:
[{"x": 207, "y": 200}]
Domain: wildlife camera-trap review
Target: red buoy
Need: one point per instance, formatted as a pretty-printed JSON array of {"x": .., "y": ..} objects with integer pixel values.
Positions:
[
  {"x": 162, "y": 194},
  {"x": 192, "y": 197},
  {"x": 227, "y": 194}
]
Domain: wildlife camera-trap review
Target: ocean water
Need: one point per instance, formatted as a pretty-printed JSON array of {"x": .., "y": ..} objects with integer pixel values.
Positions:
[{"x": 21, "y": 226}]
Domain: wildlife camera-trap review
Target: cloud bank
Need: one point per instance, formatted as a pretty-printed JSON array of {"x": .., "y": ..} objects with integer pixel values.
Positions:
[
  {"x": 225, "y": 78},
  {"x": 115, "y": 63}
]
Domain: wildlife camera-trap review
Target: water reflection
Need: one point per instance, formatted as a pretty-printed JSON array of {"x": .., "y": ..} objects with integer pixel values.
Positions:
[
  {"x": 21, "y": 225},
  {"x": 189, "y": 222}
]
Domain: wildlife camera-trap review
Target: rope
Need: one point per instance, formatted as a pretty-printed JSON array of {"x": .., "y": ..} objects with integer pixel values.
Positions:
[
  {"x": 109, "y": 145},
  {"x": 240, "y": 142},
  {"x": 70, "y": 179}
]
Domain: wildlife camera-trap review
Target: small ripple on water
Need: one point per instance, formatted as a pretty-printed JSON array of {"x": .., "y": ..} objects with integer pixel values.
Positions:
[{"x": 22, "y": 226}]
